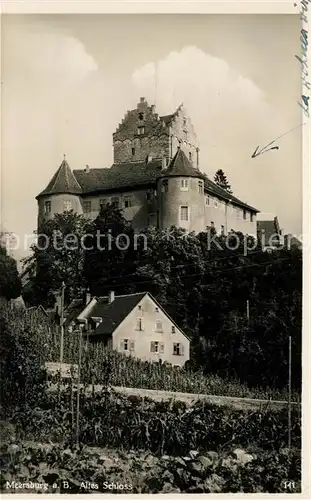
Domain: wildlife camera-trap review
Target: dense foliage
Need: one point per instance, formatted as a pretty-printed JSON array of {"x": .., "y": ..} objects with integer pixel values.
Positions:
[
  {"x": 129, "y": 422},
  {"x": 10, "y": 283},
  {"x": 221, "y": 180},
  {"x": 61, "y": 469}
]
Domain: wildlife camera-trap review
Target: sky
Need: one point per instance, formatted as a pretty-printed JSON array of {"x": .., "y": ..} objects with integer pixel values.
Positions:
[{"x": 68, "y": 80}]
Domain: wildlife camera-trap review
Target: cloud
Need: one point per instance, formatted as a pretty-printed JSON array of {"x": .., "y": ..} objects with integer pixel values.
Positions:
[{"x": 48, "y": 54}]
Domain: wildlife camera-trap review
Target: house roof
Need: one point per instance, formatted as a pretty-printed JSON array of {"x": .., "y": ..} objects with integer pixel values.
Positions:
[
  {"x": 180, "y": 165},
  {"x": 73, "y": 310},
  {"x": 120, "y": 175},
  {"x": 113, "y": 313},
  {"x": 63, "y": 181}
]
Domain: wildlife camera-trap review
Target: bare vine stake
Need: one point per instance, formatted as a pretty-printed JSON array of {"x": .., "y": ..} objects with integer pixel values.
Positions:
[
  {"x": 78, "y": 383},
  {"x": 289, "y": 392}
]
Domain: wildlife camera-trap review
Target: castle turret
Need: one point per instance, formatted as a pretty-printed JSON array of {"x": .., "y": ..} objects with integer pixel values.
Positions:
[
  {"x": 181, "y": 195},
  {"x": 61, "y": 194}
]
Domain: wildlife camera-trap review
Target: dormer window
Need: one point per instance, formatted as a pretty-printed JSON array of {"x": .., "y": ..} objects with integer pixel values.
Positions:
[
  {"x": 140, "y": 130},
  {"x": 184, "y": 184}
]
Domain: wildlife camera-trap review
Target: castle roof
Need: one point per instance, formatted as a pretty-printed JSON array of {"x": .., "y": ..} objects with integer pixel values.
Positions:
[
  {"x": 181, "y": 166},
  {"x": 63, "y": 181},
  {"x": 119, "y": 175},
  {"x": 216, "y": 190}
]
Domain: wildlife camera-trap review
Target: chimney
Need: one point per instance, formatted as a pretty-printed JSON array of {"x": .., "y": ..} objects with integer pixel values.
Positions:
[
  {"x": 110, "y": 297},
  {"x": 87, "y": 169}
]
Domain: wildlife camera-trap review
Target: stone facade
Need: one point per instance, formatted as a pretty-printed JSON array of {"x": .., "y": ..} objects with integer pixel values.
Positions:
[{"x": 155, "y": 179}]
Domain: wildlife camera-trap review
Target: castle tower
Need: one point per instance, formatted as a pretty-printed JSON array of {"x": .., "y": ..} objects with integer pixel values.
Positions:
[
  {"x": 60, "y": 195},
  {"x": 181, "y": 195},
  {"x": 143, "y": 132}
]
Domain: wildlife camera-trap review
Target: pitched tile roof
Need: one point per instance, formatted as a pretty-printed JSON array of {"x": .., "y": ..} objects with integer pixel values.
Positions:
[
  {"x": 63, "y": 181},
  {"x": 216, "y": 190},
  {"x": 114, "y": 313},
  {"x": 120, "y": 175},
  {"x": 180, "y": 165}
]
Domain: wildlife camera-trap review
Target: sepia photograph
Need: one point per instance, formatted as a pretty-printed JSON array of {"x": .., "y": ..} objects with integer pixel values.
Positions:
[{"x": 151, "y": 298}]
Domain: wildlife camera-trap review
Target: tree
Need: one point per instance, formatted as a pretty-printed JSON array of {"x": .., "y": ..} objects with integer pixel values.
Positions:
[
  {"x": 58, "y": 256},
  {"x": 10, "y": 283},
  {"x": 220, "y": 179}
]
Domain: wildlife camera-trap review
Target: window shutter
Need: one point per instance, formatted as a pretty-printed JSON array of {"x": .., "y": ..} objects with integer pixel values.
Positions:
[
  {"x": 132, "y": 345},
  {"x": 181, "y": 349},
  {"x": 122, "y": 344},
  {"x": 151, "y": 346},
  {"x": 161, "y": 347}
]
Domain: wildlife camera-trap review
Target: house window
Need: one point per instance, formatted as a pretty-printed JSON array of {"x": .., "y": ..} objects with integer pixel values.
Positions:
[
  {"x": 141, "y": 130},
  {"x": 87, "y": 206},
  {"x": 133, "y": 151},
  {"x": 141, "y": 116},
  {"x": 216, "y": 203},
  {"x": 201, "y": 189},
  {"x": 173, "y": 329},
  {"x": 125, "y": 344},
  {"x": 67, "y": 206},
  {"x": 156, "y": 346},
  {"x": 102, "y": 203},
  {"x": 244, "y": 214},
  {"x": 178, "y": 349},
  {"x": 184, "y": 215},
  {"x": 184, "y": 185},
  {"x": 47, "y": 207},
  {"x": 165, "y": 186},
  {"x": 207, "y": 200},
  {"x": 115, "y": 201},
  {"x": 159, "y": 327},
  {"x": 127, "y": 201},
  {"x": 139, "y": 324}
]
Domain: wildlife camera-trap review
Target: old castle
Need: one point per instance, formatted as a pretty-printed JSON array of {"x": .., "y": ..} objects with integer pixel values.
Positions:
[{"x": 155, "y": 178}]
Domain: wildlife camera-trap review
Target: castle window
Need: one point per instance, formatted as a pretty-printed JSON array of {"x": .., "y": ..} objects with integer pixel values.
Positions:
[
  {"x": 244, "y": 214},
  {"x": 207, "y": 200},
  {"x": 154, "y": 346},
  {"x": 141, "y": 130},
  {"x": 184, "y": 122},
  {"x": 133, "y": 151},
  {"x": 201, "y": 187},
  {"x": 127, "y": 201},
  {"x": 216, "y": 203},
  {"x": 184, "y": 215},
  {"x": 67, "y": 206},
  {"x": 178, "y": 349},
  {"x": 222, "y": 230},
  {"x": 165, "y": 186},
  {"x": 125, "y": 344},
  {"x": 251, "y": 217},
  {"x": 173, "y": 329},
  {"x": 47, "y": 207},
  {"x": 184, "y": 185},
  {"x": 115, "y": 201},
  {"x": 102, "y": 203},
  {"x": 141, "y": 116},
  {"x": 190, "y": 155},
  {"x": 87, "y": 206}
]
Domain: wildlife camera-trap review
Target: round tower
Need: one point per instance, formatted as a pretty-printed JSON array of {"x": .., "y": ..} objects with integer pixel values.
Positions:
[
  {"x": 181, "y": 195},
  {"x": 61, "y": 194}
]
